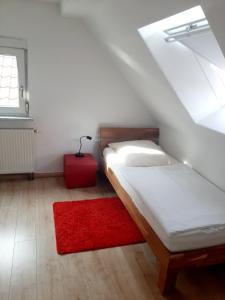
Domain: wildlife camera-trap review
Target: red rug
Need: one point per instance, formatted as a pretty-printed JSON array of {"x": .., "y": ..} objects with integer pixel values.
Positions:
[{"x": 93, "y": 224}]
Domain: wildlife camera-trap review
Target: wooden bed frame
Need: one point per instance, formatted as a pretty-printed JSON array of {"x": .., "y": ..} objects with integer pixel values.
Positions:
[{"x": 170, "y": 263}]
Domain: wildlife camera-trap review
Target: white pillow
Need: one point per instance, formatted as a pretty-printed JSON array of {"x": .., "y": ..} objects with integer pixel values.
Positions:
[
  {"x": 141, "y": 153},
  {"x": 139, "y": 143}
]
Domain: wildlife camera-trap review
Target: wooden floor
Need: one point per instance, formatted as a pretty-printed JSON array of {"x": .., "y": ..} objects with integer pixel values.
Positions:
[{"x": 31, "y": 269}]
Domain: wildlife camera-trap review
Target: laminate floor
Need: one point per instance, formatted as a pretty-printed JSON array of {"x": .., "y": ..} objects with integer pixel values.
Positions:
[{"x": 31, "y": 269}]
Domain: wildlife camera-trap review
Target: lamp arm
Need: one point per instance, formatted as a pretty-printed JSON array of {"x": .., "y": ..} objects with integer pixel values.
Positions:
[{"x": 81, "y": 143}]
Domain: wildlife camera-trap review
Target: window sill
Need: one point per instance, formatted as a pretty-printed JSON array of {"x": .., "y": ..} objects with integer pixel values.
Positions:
[{"x": 16, "y": 118}]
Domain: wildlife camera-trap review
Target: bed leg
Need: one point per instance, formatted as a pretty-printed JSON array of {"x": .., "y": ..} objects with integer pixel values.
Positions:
[{"x": 167, "y": 279}]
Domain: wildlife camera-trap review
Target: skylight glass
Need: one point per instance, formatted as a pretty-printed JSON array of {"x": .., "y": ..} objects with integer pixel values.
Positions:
[{"x": 189, "y": 55}]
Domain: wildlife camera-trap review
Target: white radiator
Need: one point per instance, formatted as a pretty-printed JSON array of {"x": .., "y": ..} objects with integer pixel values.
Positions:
[{"x": 16, "y": 151}]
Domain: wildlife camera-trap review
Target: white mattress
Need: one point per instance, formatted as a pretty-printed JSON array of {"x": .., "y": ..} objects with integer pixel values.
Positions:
[{"x": 184, "y": 209}]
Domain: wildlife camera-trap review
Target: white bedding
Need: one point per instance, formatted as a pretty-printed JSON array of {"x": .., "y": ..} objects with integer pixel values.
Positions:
[{"x": 184, "y": 209}]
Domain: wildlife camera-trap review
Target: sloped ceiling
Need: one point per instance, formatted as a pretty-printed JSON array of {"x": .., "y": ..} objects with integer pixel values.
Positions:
[
  {"x": 117, "y": 22},
  {"x": 50, "y": 1}
]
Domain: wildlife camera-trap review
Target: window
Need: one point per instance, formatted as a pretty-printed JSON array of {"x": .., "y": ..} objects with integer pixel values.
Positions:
[
  {"x": 190, "y": 57},
  {"x": 13, "y": 79}
]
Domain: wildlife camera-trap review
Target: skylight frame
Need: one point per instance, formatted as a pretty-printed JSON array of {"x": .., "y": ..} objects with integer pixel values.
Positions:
[{"x": 187, "y": 29}]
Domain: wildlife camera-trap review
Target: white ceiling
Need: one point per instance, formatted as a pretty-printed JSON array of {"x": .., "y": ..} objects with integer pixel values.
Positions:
[
  {"x": 118, "y": 21},
  {"x": 81, "y": 7},
  {"x": 51, "y": 1}
]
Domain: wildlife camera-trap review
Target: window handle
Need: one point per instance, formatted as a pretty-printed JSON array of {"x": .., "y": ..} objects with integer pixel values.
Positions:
[
  {"x": 22, "y": 91},
  {"x": 27, "y": 107},
  {"x": 27, "y": 104}
]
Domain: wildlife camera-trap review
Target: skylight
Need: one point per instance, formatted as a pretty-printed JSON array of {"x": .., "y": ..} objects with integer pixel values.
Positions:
[{"x": 188, "y": 54}]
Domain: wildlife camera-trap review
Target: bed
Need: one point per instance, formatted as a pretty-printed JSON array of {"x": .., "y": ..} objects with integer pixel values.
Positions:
[{"x": 180, "y": 214}]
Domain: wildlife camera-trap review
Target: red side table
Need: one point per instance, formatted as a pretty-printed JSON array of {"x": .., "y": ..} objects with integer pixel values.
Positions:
[{"x": 79, "y": 171}]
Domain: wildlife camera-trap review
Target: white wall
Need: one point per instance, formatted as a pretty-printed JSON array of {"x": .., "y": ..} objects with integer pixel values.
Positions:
[
  {"x": 203, "y": 148},
  {"x": 73, "y": 82}
]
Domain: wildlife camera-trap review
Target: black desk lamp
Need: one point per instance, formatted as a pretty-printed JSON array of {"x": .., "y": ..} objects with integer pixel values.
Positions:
[{"x": 79, "y": 154}]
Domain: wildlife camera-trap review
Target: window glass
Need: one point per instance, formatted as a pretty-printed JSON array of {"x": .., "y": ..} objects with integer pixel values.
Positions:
[
  {"x": 13, "y": 80},
  {"x": 9, "y": 83}
]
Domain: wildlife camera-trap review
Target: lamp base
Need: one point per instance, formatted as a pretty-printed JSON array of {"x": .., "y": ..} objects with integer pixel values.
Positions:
[{"x": 79, "y": 154}]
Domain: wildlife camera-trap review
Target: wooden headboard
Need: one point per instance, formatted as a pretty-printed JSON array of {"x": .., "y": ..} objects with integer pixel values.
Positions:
[{"x": 117, "y": 134}]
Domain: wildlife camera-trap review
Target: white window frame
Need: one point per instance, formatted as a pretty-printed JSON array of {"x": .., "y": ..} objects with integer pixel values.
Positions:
[{"x": 18, "y": 48}]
